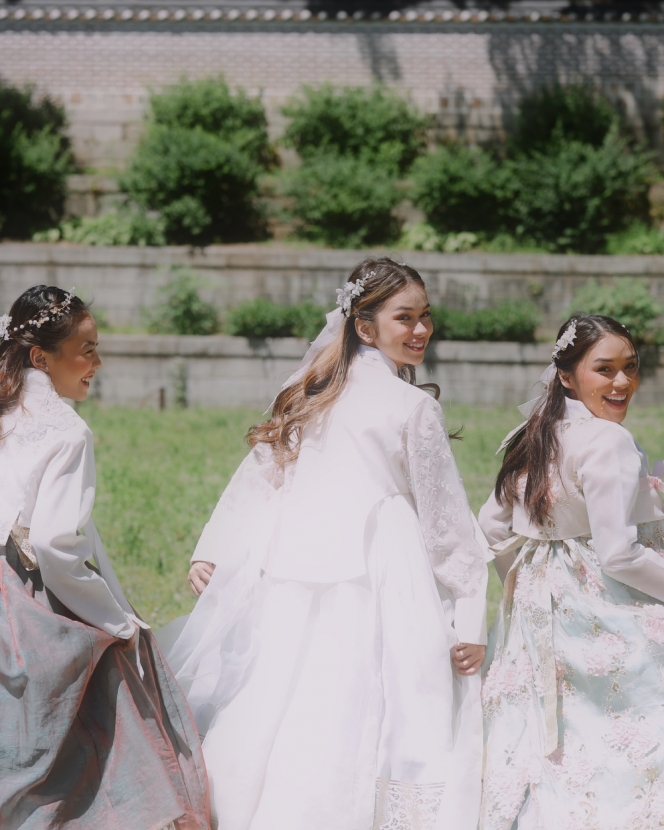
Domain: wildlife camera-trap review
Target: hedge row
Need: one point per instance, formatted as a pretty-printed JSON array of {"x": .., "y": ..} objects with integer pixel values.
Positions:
[{"x": 570, "y": 177}]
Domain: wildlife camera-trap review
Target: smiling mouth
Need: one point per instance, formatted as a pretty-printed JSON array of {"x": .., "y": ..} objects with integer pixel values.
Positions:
[
  {"x": 87, "y": 380},
  {"x": 415, "y": 347},
  {"x": 616, "y": 401}
]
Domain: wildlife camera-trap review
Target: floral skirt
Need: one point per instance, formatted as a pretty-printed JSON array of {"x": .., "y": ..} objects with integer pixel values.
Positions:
[
  {"x": 573, "y": 697},
  {"x": 85, "y": 744}
]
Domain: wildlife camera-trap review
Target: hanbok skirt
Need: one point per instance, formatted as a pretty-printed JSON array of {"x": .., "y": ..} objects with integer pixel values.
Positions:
[
  {"x": 334, "y": 706},
  {"x": 573, "y": 695},
  {"x": 85, "y": 744}
]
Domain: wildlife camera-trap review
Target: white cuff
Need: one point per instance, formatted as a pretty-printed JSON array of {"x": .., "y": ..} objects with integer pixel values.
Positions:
[{"x": 470, "y": 620}]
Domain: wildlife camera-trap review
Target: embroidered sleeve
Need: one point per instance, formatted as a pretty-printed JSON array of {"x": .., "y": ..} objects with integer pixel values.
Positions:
[{"x": 449, "y": 530}]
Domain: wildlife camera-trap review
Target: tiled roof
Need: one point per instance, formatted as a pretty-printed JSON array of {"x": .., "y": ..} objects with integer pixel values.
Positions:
[{"x": 80, "y": 12}]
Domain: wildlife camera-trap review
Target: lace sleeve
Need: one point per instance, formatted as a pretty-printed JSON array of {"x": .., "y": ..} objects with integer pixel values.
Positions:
[{"x": 456, "y": 556}]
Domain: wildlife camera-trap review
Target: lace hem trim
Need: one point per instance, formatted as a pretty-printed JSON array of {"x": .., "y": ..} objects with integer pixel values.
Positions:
[{"x": 401, "y": 806}]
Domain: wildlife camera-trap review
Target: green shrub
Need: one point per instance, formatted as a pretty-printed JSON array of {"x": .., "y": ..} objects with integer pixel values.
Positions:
[
  {"x": 182, "y": 311},
  {"x": 209, "y": 105},
  {"x": 342, "y": 201},
  {"x": 35, "y": 160},
  {"x": 575, "y": 195},
  {"x": 627, "y": 300},
  {"x": 510, "y": 320},
  {"x": 203, "y": 186},
  {"x": 118, "y": 227},
  {"x": 460, "y": 189},
  {"x": 420, "y": 236},
  {"x": 373, "y": 124},
  {"x": 637, "y": 239},
  {"x": 263, "y": 318},
  {"x": 573, "y": 113}
]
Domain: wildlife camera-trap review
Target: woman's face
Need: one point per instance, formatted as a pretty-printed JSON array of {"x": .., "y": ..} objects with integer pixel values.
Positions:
[
  {"x": 402, "y": 327},
  {"x": 605, "y": 378},
  {"x": 71, "y": 370}
]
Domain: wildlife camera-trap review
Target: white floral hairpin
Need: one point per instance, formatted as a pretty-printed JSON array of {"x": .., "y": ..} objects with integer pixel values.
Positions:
[
  {"x": 567, "y": 339},
  {"x": 350, "y": 291},
  {"x": 5, "y": 320}
]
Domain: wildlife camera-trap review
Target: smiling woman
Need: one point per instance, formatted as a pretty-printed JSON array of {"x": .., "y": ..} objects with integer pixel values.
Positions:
[
  {"x": 606, "y": 378},
  {"x": 332, "y": 658},
  {"x": 573, "y": 694},
  {"x": 93, "y": 728}
]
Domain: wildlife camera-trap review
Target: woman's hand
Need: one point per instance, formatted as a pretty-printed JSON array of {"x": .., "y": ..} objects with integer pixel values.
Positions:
[
  {"x": 467, "y": 658},
  {"x": 200, "y": 574}
]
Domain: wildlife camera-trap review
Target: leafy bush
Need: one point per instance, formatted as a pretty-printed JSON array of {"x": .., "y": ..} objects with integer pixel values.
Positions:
[
  {"x": 263, "y": 318},
  {"x": 627, "y": 300},
  {"x": 573, "y": 113},
  {"x": 637, "y": 239},
  {"x": 182, "y": 311},
  {"x": 420, "y": 236},
  {"x": 209, "y": 105},
  {"x": 510, "y": 320},
  {"x": 460, "y": 189},
  {"x": 198, "y": 163},
  {"x": 203, "y": 187},
  {"x": 35, "y": 160},
  {"x": 342, "y": 201},
  {"x": 575, "y": 195},
  {"x": 119, "y": 227},
  {"x": 372, "y": 124}
]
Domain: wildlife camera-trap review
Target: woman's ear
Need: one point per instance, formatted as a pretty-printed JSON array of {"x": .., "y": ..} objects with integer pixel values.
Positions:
[
  {"x": 38, "y": 358},
  {"x": 365, "y": 331},
  {"x": 565, "y": 379}
]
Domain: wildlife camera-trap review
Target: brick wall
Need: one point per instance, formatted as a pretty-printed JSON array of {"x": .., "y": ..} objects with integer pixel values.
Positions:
[{"x": 470, "y": 76}]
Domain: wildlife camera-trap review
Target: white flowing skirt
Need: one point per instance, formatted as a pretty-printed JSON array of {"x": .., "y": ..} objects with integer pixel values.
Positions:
[{"x": 334, "y": 706}]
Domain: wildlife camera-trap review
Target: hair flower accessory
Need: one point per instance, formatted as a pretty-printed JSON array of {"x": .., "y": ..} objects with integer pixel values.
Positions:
[
  {"x": 350, "y": 292},
  {"x": 5, "y": 320},
  {"x": 568, "y": 338}
]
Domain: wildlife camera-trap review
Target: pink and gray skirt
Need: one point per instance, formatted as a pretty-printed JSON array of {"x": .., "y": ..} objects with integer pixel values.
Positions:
[{"x": 84, "y": 742}]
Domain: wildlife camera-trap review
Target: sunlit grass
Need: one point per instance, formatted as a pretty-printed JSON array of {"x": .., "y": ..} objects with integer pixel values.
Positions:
[{"x": 160, "y": 475}]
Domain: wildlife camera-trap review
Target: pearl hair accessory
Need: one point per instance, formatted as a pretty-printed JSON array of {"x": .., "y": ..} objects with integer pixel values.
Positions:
[
  {"x": 51, "y": 314},
  {"x": 350, "y": 291},
  {"x": 568, "y": 338}
]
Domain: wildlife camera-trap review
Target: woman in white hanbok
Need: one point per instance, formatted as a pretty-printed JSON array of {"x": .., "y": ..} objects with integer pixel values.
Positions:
[
  {"x": 95, "y": 733},
  {"x": 345, "y": 579},
  {"x": 574, "y": 695}
]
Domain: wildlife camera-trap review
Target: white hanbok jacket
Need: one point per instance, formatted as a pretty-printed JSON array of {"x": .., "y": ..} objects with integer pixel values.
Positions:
[
  {"x": 595, "y": 496},
  {"x": 47, "y": 491},
  {"x": 317, "y": 660}
]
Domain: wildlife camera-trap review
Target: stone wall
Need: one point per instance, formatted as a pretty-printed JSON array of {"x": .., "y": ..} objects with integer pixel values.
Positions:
[
  {"x": 471, "y": 74},
  {"x": 123, "y": 282},
  {"x": 153, "y": 371}
]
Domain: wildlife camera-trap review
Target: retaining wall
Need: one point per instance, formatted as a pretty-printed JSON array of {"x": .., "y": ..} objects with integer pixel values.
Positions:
[
  {"x": 158, "y": 370},
  {"x": 125, "y": 281},
  {"x": 467, "y": 67}
]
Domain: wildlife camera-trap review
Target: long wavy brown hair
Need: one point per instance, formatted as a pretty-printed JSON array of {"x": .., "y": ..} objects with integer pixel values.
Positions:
[
  {"x": 314, "y": 394},
  {"x": 535, "y": 451},
  {"x": 15, "y": 352}
]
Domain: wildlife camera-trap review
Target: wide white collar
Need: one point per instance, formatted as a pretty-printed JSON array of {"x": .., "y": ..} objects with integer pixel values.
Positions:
[
  {"x": 37, "y": 386},
  {"x": 373, "y": 356},
  {"x": 577, "y": 411}
]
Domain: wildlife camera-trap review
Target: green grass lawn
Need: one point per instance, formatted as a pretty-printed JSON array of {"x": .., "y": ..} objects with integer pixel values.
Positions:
[{"x": 160, "y": 475}]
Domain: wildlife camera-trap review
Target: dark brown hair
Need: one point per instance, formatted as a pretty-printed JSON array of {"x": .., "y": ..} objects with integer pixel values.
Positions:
[
  {"x": 311, "y": 396},
  {"x": 33, "y": 304},
  {"x": 534, "y": 452}
]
